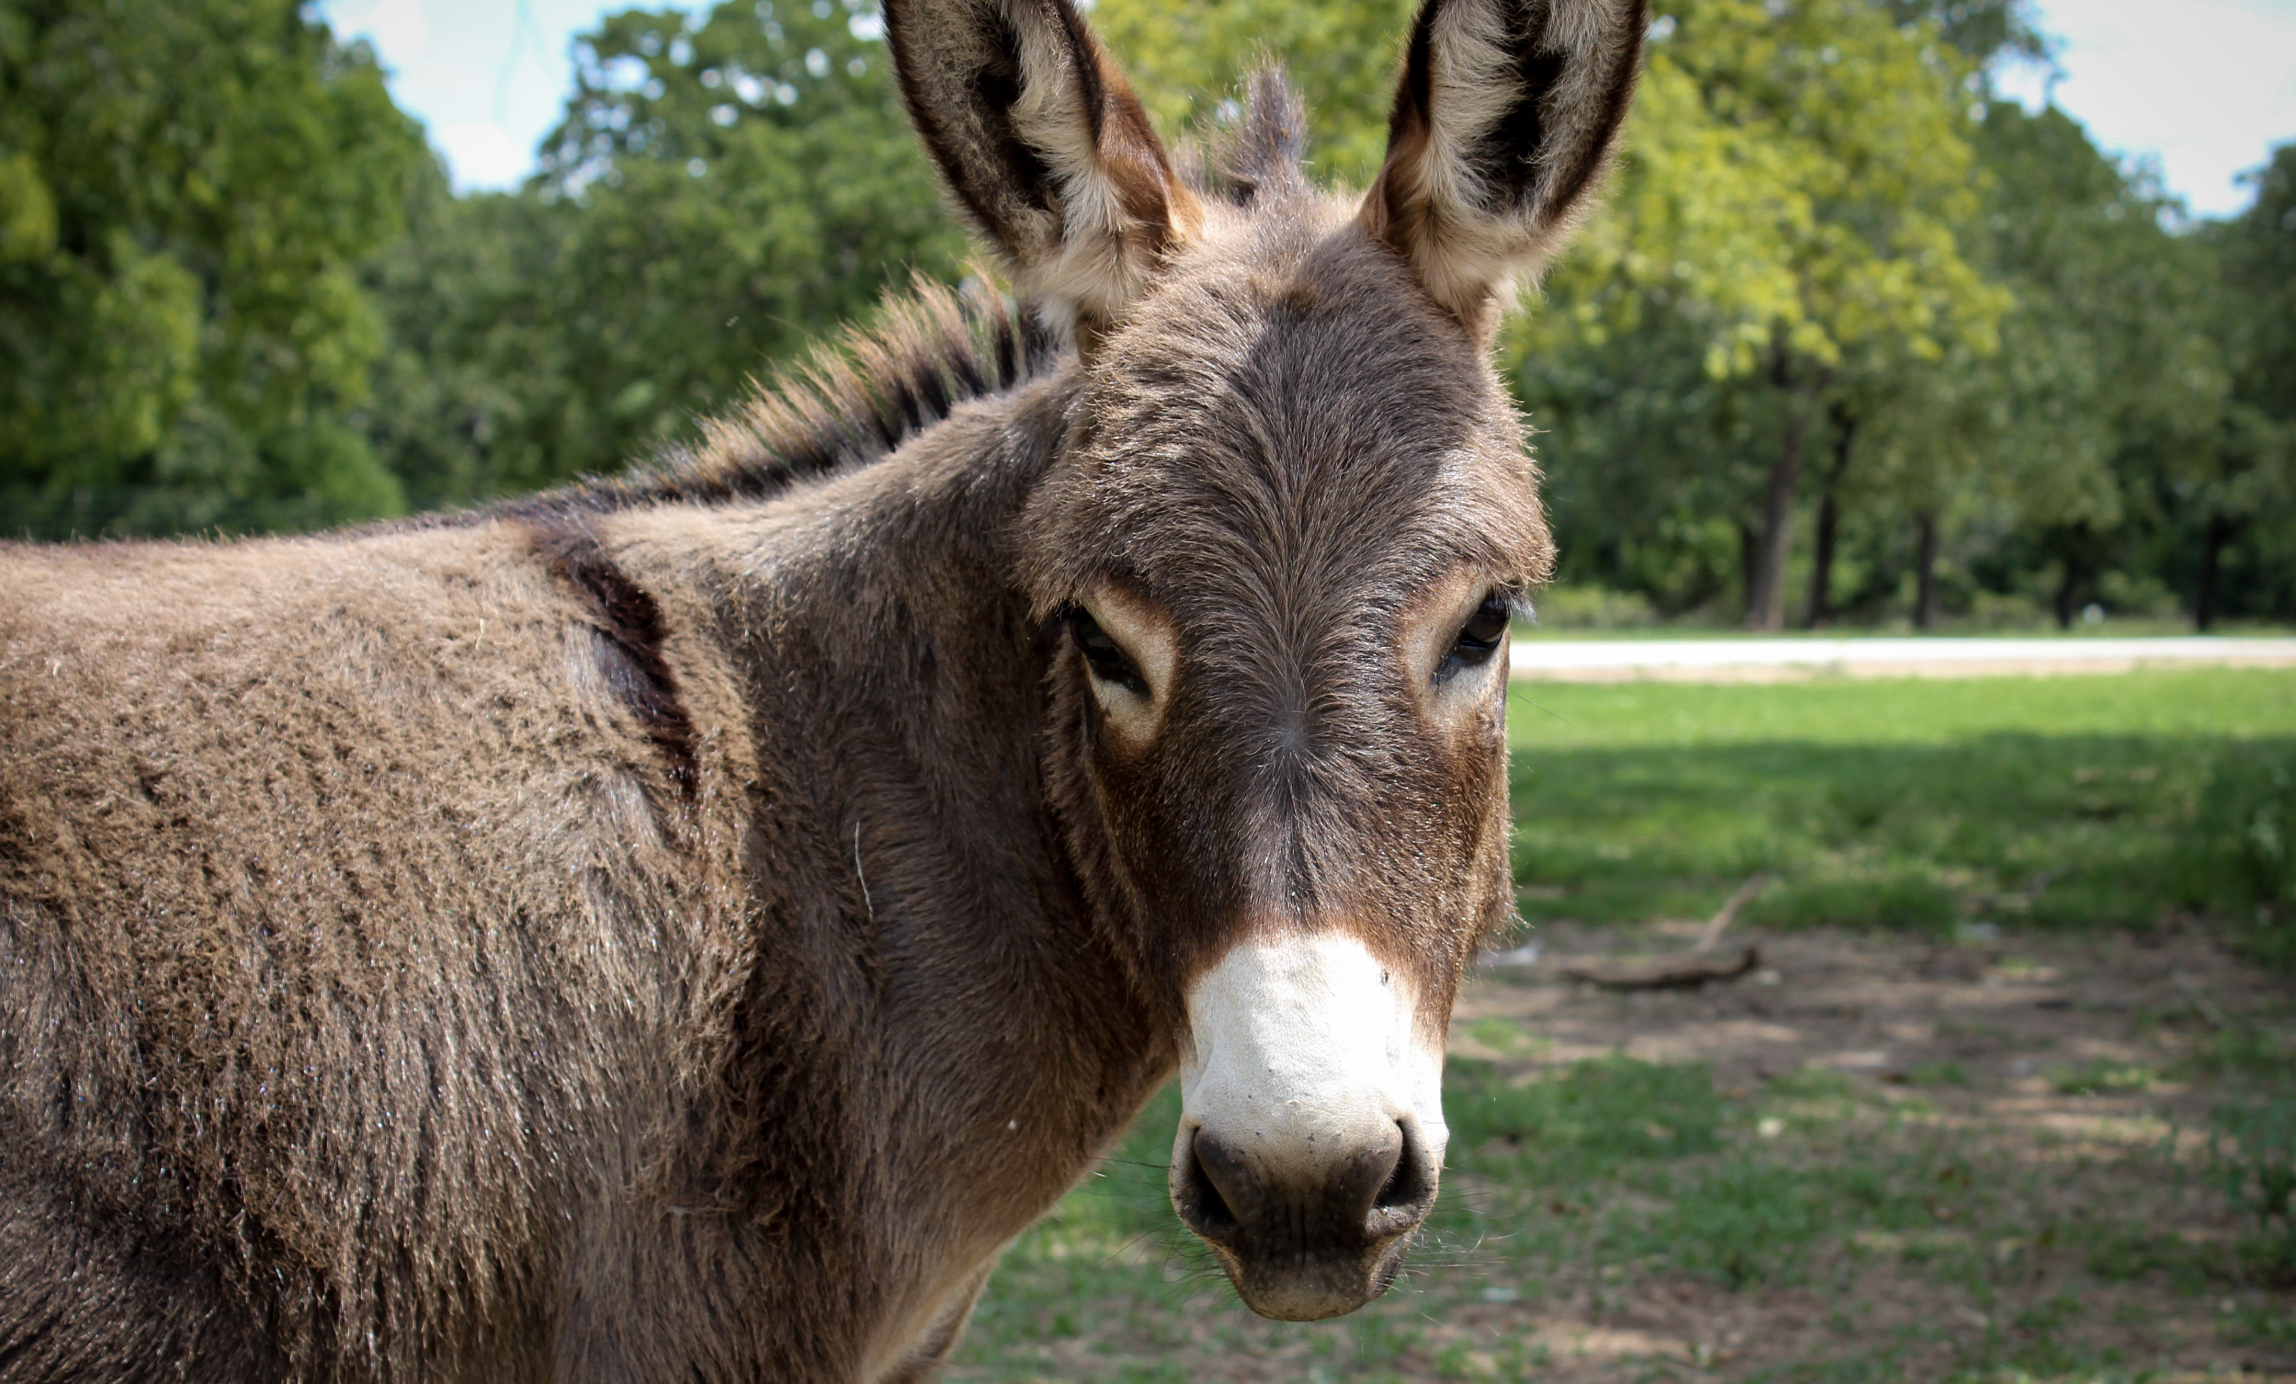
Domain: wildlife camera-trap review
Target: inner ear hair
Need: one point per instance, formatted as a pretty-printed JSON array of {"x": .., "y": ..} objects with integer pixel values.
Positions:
[
  {"x": 1504, "y": 120},
  {"x": 1044, "y": 148}
]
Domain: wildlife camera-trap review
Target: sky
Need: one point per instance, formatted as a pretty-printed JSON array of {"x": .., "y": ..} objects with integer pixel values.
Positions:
[{"x": 2203, "y": 87}]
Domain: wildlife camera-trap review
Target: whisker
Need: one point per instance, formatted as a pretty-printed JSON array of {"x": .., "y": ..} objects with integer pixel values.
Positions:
[{"x": 1525, "y": 698}]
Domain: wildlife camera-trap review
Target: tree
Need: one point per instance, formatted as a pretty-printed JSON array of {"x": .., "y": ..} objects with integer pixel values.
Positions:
[
  {"x": 1987, "y": 33},
  {"x": 469, "y": 391},
  {"x": 1797, "y": 179},
  {"x": 185, "y": 191},
  {"x": 1647, "y": 453},
  {"x": 2111, "y": 382},
  {"x": 2246, "y": 485},
  {"x": 1188, "y": 58},
  {"x": 722, "y": 190}
]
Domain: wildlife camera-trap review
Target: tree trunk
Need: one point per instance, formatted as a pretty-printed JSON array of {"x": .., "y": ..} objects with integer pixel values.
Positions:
[
  {"x": 1766, "y": 587},
  {"x": 2069, "y": 589},
  {"x": 2211, "y": 564},
  {"x": 1829, "y": 518},
  {"x": 1822, "y": 565},
  {"x": 1925, "y": 572},
  {"x": 1749, "y": 546}
]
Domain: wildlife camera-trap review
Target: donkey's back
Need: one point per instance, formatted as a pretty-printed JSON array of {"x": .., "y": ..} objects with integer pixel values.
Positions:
[{"x": 345, "y": 933}]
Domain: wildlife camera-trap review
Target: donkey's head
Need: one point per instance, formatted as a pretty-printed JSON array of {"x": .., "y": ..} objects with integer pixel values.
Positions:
[{"x": 1291, "y": 517}]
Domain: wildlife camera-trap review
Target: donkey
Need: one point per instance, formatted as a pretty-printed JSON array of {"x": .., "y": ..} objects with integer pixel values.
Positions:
[{"x": 684, "y": 926}]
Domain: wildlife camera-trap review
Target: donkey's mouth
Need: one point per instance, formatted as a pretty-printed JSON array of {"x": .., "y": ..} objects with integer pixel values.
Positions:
[
  {"x": 1311, "y": 1121},
  {"x": 1311, "y": 1292},
  {"x": 1305, "y": 1248}
]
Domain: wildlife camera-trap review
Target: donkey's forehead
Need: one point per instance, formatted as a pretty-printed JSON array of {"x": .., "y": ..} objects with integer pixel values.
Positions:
[
  {"x": 1292, "y": 289},
  {"x": 1286, "y": 405}
]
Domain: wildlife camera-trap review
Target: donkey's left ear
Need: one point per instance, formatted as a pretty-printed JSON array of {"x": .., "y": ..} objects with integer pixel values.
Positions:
[
  {"x": 1044, "y": 146},
  {"x": 1503, "y": 122}
]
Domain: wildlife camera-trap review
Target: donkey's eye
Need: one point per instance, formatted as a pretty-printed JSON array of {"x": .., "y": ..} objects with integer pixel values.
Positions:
[
  {"x": 1478, "y": 639},
  {"x": 1103, "y": 655}
]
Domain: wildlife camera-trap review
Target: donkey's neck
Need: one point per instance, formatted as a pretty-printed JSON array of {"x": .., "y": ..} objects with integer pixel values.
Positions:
[{"x": 921, "y": 926}]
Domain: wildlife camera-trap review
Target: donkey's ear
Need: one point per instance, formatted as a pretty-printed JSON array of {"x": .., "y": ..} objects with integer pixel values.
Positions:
[
  {"x": 1503, "y": 122},
  {"x": 1045, "y": 147}
]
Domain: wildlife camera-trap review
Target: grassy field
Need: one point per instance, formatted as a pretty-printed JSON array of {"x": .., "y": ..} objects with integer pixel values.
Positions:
[
  {"x": 2046, "y": 802},
  {"x": 2010, "y": 1112}
]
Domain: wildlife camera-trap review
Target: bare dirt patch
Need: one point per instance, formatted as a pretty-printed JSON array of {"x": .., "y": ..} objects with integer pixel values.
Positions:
[
  {"x": 2013, "y": 1014},
  {"x": 2071, "y": 1073}
]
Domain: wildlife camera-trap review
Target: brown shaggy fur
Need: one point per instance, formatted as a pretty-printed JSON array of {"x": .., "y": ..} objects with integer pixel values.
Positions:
[{"x": 682, "y": 927}]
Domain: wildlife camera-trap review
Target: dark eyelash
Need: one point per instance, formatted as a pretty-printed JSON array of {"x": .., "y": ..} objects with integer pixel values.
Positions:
[
  {"x": 1103, "y": 655},
  {"x": 1479, "y": 638}
]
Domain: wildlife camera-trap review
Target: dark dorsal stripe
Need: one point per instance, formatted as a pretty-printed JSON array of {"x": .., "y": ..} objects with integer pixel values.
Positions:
[{"x": 629, "y": 626}]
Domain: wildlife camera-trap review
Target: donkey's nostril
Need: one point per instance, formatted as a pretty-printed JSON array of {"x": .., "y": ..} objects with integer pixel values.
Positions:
[
  {"x": 1394, "y": 1192},
  {"x": 1197, "y": 1192},
  {"x": 1362, "y": 1187},
  {"x": 1409, "y": 1189}
]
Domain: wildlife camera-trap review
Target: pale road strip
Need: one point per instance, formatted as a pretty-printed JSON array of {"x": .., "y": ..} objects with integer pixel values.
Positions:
[{"x": 1779, "y": 660}]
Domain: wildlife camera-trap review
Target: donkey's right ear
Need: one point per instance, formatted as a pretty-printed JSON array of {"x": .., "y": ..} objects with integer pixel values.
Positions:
[
  {"x": 1045, "y": 146},
  {"x": 1503, "y": 121}
]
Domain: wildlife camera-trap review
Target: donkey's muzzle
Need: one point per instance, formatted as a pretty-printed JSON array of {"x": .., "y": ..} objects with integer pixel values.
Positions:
[{"x": 1308, "y": 1237}]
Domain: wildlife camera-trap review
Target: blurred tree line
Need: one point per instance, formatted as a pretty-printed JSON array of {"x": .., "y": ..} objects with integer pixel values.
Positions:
[{"x": 1854, "y": 339}]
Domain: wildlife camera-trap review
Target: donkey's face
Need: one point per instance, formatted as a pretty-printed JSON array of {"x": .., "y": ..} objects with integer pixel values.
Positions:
[{"x": 1283, "y": 539}]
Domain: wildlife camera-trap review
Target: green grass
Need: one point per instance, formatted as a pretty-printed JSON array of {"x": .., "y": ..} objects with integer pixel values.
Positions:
[
  {"x": 1907, "y": 804},
  {"x": 1596, "y": 1114},
  {"x": 2098, "y": 1077},
  {"x": 1589, "y": 1183},
  {"x": 1946, "y": 1073},
  {"x": 2253, "y": 1152},
  {"x": 1591, "y": 1179}
]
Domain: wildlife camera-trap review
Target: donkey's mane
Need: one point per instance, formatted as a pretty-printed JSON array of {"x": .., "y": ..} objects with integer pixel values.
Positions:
[
  {"x": 855, "y": 399},
  {"x": 863, "y": 392}
]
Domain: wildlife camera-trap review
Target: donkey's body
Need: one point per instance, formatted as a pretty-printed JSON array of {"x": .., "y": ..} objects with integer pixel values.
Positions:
[
  {"x": 399, "y": 936},
  {"x": 685, "y": 927}
]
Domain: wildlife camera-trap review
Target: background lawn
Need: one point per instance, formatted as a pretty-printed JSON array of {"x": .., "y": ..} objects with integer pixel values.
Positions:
[
  {"x": 1902, "y": 803},
  {"x": 2073, "y": 1162}
]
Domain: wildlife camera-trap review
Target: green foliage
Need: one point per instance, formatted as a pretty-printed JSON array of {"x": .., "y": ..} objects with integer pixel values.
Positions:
[
  {"x": 2110, "y": 336},
  {"x": 722, "y": 190},
  {"x": 743, "y": 184},
  {"x": 1985, "y": 32},
  {"x": 2242, "y": 489},
  {"x": 185, "y": 193},
  {"x": 1186, "y": 57},
  {"x": 1789, "y": 218},
  {"x": 2260, "y": 260},
  {"x": 2065, "y": 398},
  {"x": 1795, "y": 173},
  {"x": 471, "y": 390}
]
